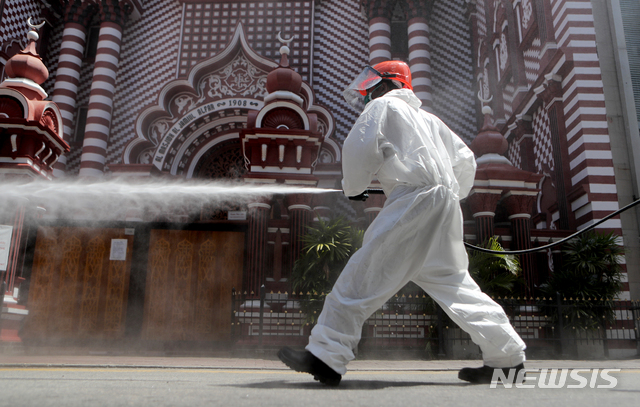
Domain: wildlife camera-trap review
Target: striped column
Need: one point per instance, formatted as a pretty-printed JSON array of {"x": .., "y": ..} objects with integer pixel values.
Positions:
[
  {"x": 419, "y": 60},
  {"x": 521, "y": 235},
  {"x": 519, "y": 206},
  {"x": 257, "y": 250},
  {"x": 300, "y": 215},
  {"x": 379, "y": 40},
  {"x": 484, "y": 226},
  {"x": 482, "y": 204},
  {"x": 65, "y": 90},
  {"x": 16, "y": 247},
  {"x": 94, "y": 148}
]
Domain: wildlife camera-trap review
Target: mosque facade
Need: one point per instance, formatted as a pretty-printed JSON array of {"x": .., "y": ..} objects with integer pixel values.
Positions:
[{"x": 251, "y": 91}]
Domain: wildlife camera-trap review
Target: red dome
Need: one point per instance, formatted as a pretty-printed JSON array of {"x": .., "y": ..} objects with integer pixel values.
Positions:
[
  {"x": 489, "y": 140},
  {"x": 284, "y": 78},
  {"x": 27, "y": 64}
]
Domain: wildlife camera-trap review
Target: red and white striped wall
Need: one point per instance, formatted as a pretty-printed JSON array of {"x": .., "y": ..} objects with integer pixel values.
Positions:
[
  {"x": 94, "y": 148},
  {"x": 591, "y": 161},
  {"x": 65, "y": 91}
]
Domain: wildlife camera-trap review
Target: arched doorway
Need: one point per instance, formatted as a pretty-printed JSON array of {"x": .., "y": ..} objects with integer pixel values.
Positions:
[{"x": 224, "y": 161}]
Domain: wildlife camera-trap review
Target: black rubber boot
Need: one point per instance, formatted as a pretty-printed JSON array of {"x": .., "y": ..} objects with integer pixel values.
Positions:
[
  {"x": 304, "y": 361},
  {"x": 484, "y": 374}
]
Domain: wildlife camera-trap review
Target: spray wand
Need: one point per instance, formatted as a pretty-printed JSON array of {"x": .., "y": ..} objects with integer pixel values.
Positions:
[{"x": 375, "y": 191}]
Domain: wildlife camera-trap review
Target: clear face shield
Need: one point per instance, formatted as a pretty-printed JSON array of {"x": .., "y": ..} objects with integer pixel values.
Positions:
[{"x": 356, "y": 93}]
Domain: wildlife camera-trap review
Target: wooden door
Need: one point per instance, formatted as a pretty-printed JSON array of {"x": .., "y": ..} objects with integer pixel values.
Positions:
[
  {"x": 75, "y": 290},
  {"x": 190, "y": 275}
]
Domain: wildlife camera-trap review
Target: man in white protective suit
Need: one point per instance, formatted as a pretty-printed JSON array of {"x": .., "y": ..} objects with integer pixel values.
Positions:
[{"x": 424, "y": 169}]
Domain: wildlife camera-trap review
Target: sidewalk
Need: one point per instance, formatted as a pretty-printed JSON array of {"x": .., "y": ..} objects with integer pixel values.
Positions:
[{"x": 102, "y": 361}]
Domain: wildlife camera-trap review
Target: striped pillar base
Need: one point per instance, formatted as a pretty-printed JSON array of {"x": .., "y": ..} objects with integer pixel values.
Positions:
[
  {"x": 300, "y": 215},
  {"x": 15, "y": 248},
  {"x": 521, "y": 233},
  {"x": 484, "y": 227}
]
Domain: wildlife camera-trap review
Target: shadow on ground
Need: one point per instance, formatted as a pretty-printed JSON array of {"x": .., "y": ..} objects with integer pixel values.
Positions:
[{"x": 344, "y": 385}]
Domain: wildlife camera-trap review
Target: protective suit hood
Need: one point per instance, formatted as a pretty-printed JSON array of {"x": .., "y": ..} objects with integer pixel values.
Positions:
[{"x": 407, "y": 95}]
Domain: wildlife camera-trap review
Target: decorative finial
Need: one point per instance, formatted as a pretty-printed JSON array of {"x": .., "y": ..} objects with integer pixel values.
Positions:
[
  {"x": 284, "y": 78},
  {"x": 489, "y": 145},
  {"x": 285, "y": 49},
  {"x": 33, "y": 34}
]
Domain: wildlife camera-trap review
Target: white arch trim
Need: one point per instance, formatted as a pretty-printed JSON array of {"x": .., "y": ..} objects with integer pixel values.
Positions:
[
  {"x": 208, "y": 147},
  {"x": 292, "y": 106},
  {"x": 178, "y": 127},
  {"x": 335, "y": 147}
]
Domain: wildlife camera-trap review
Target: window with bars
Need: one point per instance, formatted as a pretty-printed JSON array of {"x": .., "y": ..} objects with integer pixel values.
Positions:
[
  {"x": 91, "y": 47},
  {"x": 399, "y": 35}
]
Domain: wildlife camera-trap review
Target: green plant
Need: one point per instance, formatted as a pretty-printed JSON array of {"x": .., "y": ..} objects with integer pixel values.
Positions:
[
  {"x": 327, "y": 247},
  {"x": 590, "y": 278},
  {"x": 496, "y": 274}
]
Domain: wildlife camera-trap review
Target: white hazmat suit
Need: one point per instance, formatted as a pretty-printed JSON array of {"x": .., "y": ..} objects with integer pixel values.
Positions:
[{"x": 424, "y": 169}]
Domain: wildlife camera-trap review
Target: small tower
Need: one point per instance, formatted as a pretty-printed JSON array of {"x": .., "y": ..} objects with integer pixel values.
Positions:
[
  {"x": 498, "y": 182},
  {"x": 30, "y": 127},
  {"x": 281, "y": 142}
]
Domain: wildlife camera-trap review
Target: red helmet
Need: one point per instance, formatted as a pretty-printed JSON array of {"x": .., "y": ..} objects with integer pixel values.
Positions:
[
  {"x": 371, "y": 76},
  {"x": 396, "y": 70}
]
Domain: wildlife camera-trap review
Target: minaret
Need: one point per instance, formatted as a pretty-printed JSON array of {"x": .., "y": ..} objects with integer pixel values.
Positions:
[
  {"x": 30, "y": 144},
  {"x": 31, "y": 139},
  {"x": 498, "y": 182}
]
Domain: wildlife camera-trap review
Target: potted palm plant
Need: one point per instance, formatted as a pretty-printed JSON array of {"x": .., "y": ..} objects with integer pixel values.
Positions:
[{"x": 327, "y": 246}]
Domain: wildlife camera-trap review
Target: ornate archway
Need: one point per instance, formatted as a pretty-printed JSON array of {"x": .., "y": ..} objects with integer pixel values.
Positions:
[{"x": 215, "y": 99}]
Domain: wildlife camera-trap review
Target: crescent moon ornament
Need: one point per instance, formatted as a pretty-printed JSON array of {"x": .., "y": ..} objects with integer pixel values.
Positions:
[
  {"x": 283, "y": 40},
  {"x": 485, "y": 109},
  {"x": 35, "y": 27},
  {"x": 484, "y": 100}
]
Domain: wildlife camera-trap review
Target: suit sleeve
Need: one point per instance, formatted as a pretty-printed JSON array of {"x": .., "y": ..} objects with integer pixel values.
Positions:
[{"x": 363, "y": 149}]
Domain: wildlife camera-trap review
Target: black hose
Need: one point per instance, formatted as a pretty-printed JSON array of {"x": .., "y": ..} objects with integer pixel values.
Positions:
[{"x": 545, "y": 247}]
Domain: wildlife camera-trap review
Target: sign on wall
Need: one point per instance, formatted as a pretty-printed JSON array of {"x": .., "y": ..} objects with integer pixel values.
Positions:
[
  {"x": 5, "y": 245},
  {"x": 118, "y": 249}
]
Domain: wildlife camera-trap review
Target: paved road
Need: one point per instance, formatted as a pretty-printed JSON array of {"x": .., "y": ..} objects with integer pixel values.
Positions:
[{"x": 33, "y": 385}]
